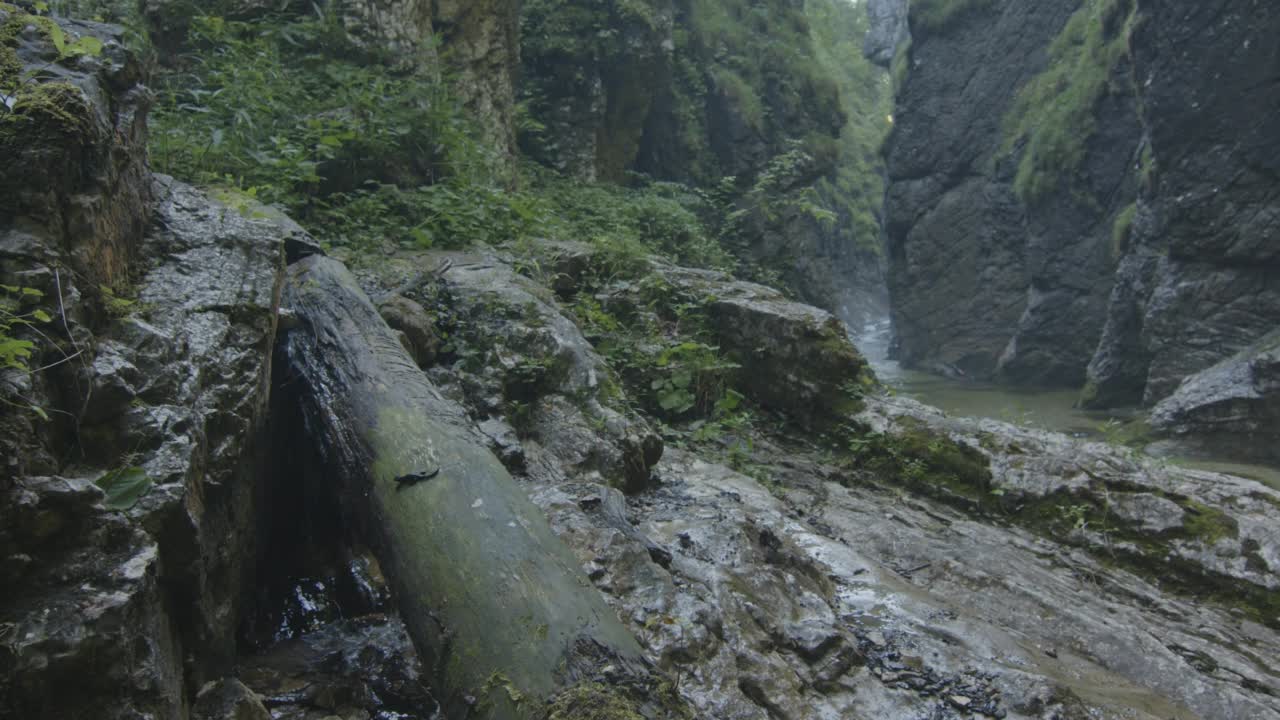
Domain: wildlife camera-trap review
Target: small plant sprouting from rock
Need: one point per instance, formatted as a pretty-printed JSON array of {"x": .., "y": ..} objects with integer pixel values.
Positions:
[
  {"x": 16, "y": 314},
  {"x": 124, "y": 487},
  {"x": 13, "y": 80}
]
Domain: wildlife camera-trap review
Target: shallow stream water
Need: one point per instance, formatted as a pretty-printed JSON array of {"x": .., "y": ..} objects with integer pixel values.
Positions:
[{"x": 1044, "y": 408}]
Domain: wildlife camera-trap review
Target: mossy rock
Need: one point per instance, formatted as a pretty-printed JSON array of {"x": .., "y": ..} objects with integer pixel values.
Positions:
[
  {"x": 55, "y": 111},
  {"x": 927, "y": 461},
  {"x": 593, "y": 702}
]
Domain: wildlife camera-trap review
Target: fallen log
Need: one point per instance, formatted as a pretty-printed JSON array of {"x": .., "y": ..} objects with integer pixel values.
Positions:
[{"x": 497, "y": 606}]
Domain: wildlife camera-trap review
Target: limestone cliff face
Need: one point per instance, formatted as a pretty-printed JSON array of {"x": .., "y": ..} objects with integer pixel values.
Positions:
[
  {"x": 483, "y": 42},
  {"x": 1201, "y": 282},
  {"x": 480, "y": 43},
  {"x": 981, "y": 279},
  {"x": 1126, "y": 232},
  {"x": 888, "y": 29}
]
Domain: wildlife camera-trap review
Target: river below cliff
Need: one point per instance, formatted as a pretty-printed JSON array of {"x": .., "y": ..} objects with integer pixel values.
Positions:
[{"x": 1044, "y": 408}]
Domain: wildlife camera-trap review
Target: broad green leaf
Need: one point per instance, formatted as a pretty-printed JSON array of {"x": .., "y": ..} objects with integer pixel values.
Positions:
[
  {"x": 41, "y": 316},
  {"x": 124, "y": 487},
  {"x": 677, "y": 400},
  {"x": 14, "y": 348},
  {"x": 87, "y": 45},
  {"x": 58, "y": 37}
]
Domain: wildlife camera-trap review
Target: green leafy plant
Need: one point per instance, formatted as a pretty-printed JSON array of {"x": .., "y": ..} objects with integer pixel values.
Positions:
[
  {"x": 1076, "y": 516},
  {"x": 359, "y": 148},
  {"x": 691, "y": 377},
  {"x": 124, "y": 487},
  {"x": 21, "y": 87},
  {"x": 16, "y": 314},
  {"x": 117, "y": 303},
  {"x": 1052, "y": 116}
]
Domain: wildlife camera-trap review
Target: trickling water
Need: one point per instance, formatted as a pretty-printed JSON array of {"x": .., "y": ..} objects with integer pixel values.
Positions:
[{"x": 1047, "y": 409}]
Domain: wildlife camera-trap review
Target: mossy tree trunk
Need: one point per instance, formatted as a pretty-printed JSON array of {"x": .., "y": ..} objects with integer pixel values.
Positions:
[{"x": 496, "y": 604}]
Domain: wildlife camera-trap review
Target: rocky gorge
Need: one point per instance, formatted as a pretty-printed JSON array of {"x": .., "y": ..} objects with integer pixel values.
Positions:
[
  {"x": 1094, "y": 178},
  {"x": 761, "y": 529}
]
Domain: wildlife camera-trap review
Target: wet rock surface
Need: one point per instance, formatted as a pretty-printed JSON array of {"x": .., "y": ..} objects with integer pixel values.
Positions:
[
  {"x": 150, "y": 587},
  {"x": 1210, "y": 109},
  {"x": 978, "y": 279},
  {"x": 1076, "y": 581},
  {"x": 359, "y": 668},
  {"x": 809, "y": 563},
  {"x": 128, "y": 486},
  {"x": 148, "y": 584},
  {"x": 520, "y": 363},
  {"x": 888, "y": 29},
  {"x": 1233, "y": 406},
  {"x": 794, "y": 358}
]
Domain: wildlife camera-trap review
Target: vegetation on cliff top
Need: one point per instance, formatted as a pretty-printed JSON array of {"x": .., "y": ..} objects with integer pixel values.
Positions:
[
  {"x": 1052, "y": 117},
  {"x": 856, "y": 188}
]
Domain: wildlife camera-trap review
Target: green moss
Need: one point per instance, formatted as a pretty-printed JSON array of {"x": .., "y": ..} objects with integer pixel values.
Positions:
[
  {"x": 10, "y": 65},
  {"x": 1120, "y": 230},
  {"x": 57, "y": 109},
  {"x": 1089, "y": 394},
  {"x": 901, "y": 66},
  {"x": 1207, "y": 524},
  {"x": 13, "y": 25},
  {"x": 926, "y": 461},
  {"x": 507, "y": 693},
  {"x": 593, "y": 701},
  {"x": 1147, "y": 167},
  {"x": 1054, "y": 112},
  {"x": 742, "y": 95},
  {"x": 246, "y": 204},
  {"x": 957, "y": 474}
]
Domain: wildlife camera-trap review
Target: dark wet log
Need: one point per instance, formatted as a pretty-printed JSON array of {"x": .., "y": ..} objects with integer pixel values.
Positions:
[{"x": 496, "y": 604}]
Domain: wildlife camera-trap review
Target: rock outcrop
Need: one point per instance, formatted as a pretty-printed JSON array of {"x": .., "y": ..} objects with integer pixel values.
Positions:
[
  {"x": 917, "y": 566},
  {"x": 1124, "y": 234},
  {"x": 483, "y": 41},
  {"x": 139, "y": 537},
  {"x": 1232, "y": 407},
  {"x": 888, "y": 29},
  {"x": 131, "y": 446}
]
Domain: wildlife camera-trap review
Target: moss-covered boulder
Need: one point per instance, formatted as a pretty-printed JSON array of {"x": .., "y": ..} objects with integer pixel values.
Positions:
[
  {"x": 1207, "y": 535},
  {"x": 788, "y": 356}
]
